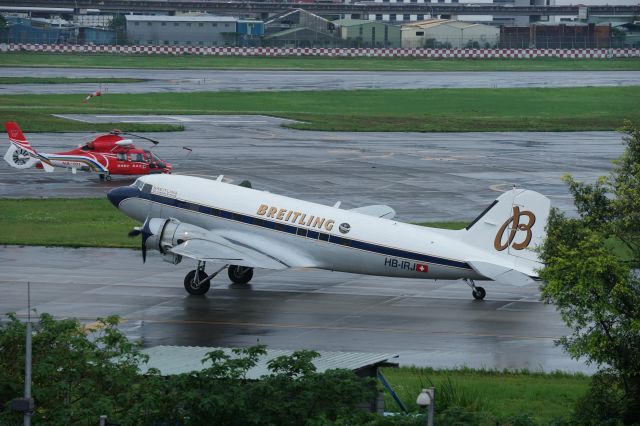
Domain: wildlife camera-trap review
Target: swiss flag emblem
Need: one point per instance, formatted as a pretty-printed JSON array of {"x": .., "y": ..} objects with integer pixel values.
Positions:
[{"x": 420, "y": 267}]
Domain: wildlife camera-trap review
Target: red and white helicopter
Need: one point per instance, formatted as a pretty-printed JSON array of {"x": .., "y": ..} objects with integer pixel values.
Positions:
[{"x": 108, "y": 155}]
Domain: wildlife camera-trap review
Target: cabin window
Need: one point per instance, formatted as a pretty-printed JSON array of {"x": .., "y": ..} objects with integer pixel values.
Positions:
[
  {"x": 121, "y": 156},
  {"x": 138, "y": 157}
]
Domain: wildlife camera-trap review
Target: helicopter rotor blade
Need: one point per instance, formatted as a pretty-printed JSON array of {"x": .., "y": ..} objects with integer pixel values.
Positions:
[{"x": 155, "y": 142}]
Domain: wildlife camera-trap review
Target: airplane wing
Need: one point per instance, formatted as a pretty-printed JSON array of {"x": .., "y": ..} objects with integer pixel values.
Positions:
[
  {"x": 377, "y": 210},
  {"x": 230, "y": 253}
]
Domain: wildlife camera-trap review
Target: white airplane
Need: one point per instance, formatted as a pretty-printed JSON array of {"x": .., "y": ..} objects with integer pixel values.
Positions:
[{"x": 240, "y": 228}]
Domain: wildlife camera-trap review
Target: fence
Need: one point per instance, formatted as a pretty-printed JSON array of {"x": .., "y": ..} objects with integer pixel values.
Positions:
[{"x": 327, "y": 52}]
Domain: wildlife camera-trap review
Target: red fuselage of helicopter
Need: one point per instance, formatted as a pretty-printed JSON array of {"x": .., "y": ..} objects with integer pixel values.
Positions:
[{"x": 110, "y": 154}]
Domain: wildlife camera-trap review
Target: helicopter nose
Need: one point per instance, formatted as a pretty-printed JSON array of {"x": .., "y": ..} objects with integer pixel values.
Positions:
[{"x": 116, "y": 195}]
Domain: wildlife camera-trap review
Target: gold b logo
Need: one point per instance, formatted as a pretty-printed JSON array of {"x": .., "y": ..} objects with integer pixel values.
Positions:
[{"x": 515, "y": 219}]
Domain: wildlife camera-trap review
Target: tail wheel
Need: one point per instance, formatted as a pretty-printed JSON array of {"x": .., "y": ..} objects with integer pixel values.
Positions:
[
  {"x": 479, "y": 293},
  {"x": 240, "y": 274},
  {"x": 194, "y": 284}
]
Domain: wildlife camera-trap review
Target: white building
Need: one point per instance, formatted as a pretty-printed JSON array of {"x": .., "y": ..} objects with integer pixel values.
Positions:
[
  {"x": 419, "y": 17},
  {"x": 586, "y": 3},
  {"x": 448, "y": 33},
  {"x": 202, "y": 30}
]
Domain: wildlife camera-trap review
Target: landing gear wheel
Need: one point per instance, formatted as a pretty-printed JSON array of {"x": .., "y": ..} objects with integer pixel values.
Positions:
[
  {"x": 194, "y": 285},
  {"x": 108, "y": 178},
  {"x": 101, "y": 176},
  {"x": 240, "y": 274},
  {"x": 479, "y": 293}
]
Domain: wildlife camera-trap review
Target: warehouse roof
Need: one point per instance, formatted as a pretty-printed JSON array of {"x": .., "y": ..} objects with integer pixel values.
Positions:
[
  {"x": 354, "y": 22},
  {"x": 164, "y": 18},
  {"x": 185, "y": 359},
  {"x": 431, "y": 23}
]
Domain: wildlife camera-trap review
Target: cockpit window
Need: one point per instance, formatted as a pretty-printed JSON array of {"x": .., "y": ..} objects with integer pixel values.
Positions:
[
  {"x": 138, "y": 184},
  {"x": 147, "y": 188}
]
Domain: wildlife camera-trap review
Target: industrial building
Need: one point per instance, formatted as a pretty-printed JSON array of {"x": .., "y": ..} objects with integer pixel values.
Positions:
[
  {"x": 203, "y": 30},
  {"x": 563, "y": 36},
  {"x": 408, "y": 17},
  {"x": 445, "y": 33},
  {"x": 300, "y": 28},
  {"x": 364, "y": 33}
]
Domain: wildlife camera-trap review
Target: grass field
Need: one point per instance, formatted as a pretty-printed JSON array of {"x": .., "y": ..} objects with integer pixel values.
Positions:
[
  {"x": 500, "y": 394},
  {"x": 79, "y": 222},
  {"x": 85, "y": 222},
  {"x": 437, "y": 110},
  {"x": 65, "y": 80},
  {"x": 25, "y": 59}
]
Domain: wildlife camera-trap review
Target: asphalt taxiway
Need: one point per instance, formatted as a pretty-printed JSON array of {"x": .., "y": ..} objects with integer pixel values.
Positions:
[
  {"x": 427, "y": 323},
  {"x": 242, "y": 80},
  {"x": 423, "y": 176}
]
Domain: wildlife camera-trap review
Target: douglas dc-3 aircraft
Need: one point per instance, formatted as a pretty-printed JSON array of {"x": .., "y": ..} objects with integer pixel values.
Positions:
[
  {"x": 107, "y": 155},
  {"x": 243, "y": 228}
]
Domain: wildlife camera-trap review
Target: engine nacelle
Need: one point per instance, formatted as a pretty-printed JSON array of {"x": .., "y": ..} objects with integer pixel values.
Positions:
[{"x": 168, "y": 233}]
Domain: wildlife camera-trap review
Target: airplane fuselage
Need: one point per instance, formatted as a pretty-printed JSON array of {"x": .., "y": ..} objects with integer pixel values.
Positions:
[{"x": 312, "y": 235}]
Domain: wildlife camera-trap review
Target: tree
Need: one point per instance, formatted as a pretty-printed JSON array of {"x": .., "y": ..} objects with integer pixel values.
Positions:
[
  {"x": 77, "y": 374},
  {"x": 591, "y": 275},
  {"x": 80, "y": 374},
  {"x": 119, "y": 25}
]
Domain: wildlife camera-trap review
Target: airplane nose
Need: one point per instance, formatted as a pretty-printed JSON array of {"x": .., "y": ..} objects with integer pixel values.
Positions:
[{"x": 116, "y": 195}]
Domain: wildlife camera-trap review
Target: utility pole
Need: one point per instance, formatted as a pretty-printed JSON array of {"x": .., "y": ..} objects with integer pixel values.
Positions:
[
  {"x": 25, "y": 405},
  {"x": 27, "y": 362}
]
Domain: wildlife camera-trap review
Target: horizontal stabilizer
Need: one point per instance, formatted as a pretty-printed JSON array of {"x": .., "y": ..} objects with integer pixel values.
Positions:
[
  {"x": 501, "y": 274},
  {"x": 377, "y": 210}
]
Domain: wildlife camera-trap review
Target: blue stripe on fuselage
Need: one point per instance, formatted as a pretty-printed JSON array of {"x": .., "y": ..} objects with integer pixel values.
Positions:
[{"x": 118, "y": 194}]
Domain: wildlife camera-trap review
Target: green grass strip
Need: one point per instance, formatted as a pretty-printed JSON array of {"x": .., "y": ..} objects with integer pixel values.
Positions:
[
  {"x": 65, "y": 80},
  {"x": 84, "y": 222},
  {"x": 312, "y": 63},
  {"x": 546, "y": 397},
  {"x": 78, "y": 222},
  {"x": 437, "y": 110}
]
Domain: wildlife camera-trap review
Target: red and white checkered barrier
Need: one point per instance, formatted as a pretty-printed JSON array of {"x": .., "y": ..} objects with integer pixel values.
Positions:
[{"x": 330, "y": 52}]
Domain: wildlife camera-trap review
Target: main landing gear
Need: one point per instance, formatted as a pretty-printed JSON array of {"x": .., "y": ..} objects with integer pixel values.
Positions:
[
  {"x": 105, "y": 177},
  {"x": 477, "y": 292},
  {"x": 198, "y": 282},
  {"x": 240, "y": 274}
]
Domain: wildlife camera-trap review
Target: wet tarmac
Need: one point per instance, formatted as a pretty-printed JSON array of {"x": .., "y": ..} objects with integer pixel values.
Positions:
[
  {"x": 427, "y": 323},
  {"x": 423, "y": 176},
  {"x": 241, "y": 80}
]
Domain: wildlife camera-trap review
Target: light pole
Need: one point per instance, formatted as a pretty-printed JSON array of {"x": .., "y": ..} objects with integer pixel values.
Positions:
[{"x": 427, "y": 399}]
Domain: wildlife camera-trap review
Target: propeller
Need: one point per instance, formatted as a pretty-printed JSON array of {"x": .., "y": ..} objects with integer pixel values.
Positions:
[{"x": 145, "y": 231}]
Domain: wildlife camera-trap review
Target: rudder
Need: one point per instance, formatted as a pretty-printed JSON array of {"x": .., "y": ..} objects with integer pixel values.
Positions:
[{"x": 513, "y": 226}]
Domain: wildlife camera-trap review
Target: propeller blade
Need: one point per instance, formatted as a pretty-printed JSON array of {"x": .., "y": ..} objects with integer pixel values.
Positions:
[
  {"x": 146, "y": 233},
  {"x": 135, "y": 232}
]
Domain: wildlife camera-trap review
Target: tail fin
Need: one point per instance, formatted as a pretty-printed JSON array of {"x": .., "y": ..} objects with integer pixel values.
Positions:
[
  {"x": 16, "y": 137},
  {"x": 21, "y": 154},
  {"x": 511, "y": 228}
]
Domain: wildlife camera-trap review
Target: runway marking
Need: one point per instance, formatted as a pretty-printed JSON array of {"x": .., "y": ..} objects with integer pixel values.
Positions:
[{"x": 66, "y": 117}]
